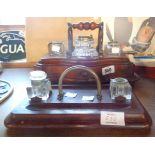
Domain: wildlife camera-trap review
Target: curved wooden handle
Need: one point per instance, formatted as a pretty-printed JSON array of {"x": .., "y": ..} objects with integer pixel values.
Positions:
[{"x": 85, "y": 26}]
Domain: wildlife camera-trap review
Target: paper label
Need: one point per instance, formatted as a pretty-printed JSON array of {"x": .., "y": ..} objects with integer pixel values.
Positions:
[
  {"x": 68, "y": 94},
  {"x": 55, "y": 48},
  {"x": 115, "y": 50},
  {"x": 88, "y": 98},
  {"x": 112, "y": 118},
  {"x": 108, "y": 70}
]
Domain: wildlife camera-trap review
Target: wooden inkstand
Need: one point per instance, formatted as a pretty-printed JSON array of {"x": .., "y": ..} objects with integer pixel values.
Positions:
[{"x": 86, "y": 77}]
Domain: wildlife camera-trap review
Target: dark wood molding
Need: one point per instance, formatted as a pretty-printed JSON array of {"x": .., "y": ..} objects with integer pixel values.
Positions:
[{"x": 145, "y": 71}]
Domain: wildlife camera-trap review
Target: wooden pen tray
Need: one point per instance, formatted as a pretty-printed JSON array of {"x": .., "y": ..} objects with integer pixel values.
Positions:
[{"x": 75, "y": 113}]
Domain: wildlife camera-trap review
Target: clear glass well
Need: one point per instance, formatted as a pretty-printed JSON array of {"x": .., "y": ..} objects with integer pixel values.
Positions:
[
  {"x": 84, "y": 47},
  {"x": 40, "y": 85},
  {"x": 120, "y": 87}
]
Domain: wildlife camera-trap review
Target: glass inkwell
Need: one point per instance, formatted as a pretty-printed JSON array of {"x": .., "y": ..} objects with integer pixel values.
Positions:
[
  {"x": 113, "y": 48},
  {"x": 120, "y": 89},
  {"x": 40, "y": 86},
  {"x": 56, "y": 48},
  {"x": 84, "y": 47}
]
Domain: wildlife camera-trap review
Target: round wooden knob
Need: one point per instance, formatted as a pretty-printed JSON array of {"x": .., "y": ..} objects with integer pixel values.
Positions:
[
  {"x": 80, "y": 26},
  {"x": 86, "y": 26},
  {"x": 93, "y": 26}
]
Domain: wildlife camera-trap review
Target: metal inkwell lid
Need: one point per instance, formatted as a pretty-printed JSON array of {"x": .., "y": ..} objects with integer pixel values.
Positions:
[
  {"x": 113, "y": 48},
  {"x": 119, "y": 80},
  {"x": 38, "y": 75},
  {"x": 84, "y": 41},
  {"x": 113, "y": 44}
]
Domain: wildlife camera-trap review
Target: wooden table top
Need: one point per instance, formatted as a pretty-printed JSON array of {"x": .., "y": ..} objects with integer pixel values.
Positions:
[{"x": 19, "y": 78}]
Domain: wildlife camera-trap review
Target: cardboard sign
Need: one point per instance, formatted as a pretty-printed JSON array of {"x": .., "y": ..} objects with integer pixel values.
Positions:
[
  {"x": 69, "y": 94},
  {"x": 112, "y": 118},
  {"x": 108, "y": 70},
  {"x": 88, "y": 98},
  {"x": 12, "y": 45}
]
